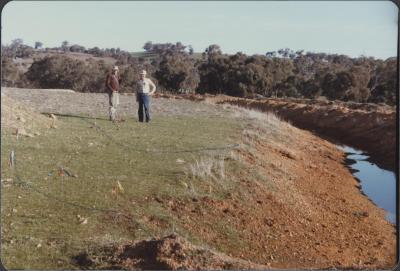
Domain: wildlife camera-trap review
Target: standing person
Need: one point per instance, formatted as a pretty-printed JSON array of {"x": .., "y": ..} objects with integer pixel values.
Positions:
[
  {"x": 112, "y": 82},
  {"x": 146, "y": 88}
]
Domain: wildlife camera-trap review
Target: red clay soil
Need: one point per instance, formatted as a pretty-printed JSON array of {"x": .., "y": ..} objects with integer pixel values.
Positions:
[
  {"x": 309, "y": 213},
  {"x": 317, "y": 219},
  {"x": 369, "y": 127}
]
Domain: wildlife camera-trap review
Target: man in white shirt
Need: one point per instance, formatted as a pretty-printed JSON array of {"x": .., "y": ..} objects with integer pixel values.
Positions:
[{"x": 146, "y": 88}]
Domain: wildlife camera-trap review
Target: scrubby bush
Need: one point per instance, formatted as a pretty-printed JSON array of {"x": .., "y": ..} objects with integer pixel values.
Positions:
[
  {"x": 241, "y": 75},
  {"x": 383, "y": 83},
  {"x": 67, "y": 73},
  {"x": 177, "y": 72},
  {"x": 129, "y": 78},
  {"x": 17, "y": 49},
  {"x": 11, "y": 75}
]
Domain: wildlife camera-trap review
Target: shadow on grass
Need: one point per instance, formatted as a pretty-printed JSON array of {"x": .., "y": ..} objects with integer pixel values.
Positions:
[{"x": 74, "y": 116}]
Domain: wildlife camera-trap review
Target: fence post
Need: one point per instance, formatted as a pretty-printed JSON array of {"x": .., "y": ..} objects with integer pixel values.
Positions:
[{"x": 12, "y": 159}]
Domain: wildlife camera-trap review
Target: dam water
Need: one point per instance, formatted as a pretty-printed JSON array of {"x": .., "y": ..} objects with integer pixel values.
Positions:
[{"x": 377, "y": 184}]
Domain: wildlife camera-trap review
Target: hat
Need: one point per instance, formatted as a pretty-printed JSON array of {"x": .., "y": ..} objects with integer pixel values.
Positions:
[
  {"x": 115, "y": 68},
  {"x": 143, "y": 72}
]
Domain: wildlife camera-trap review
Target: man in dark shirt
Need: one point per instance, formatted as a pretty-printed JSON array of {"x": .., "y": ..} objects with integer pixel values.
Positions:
[{"x": 112, "y": 83}]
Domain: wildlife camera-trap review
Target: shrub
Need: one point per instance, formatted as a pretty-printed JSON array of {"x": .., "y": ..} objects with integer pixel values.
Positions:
[
  {"x": 11, "y": 75},
  {"x": 64, "y": 72},
  {"x": 177, "y": 72}
]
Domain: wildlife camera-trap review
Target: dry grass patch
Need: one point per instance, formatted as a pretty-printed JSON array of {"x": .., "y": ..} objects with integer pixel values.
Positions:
[{"x": 207, "y": 167}]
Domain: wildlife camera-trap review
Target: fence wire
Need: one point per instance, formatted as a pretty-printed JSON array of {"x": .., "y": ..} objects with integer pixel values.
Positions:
[{"x": 29, "y": 186}]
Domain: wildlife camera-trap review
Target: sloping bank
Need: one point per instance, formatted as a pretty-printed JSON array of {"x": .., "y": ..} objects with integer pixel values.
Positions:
[{"x": 371, "y": 128}]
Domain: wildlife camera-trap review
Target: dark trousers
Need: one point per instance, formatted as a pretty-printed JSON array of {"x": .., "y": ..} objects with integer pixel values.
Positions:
[{"x": 144, "y": 103}]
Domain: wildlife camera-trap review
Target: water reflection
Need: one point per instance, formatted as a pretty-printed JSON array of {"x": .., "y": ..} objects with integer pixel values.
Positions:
[{"x": 376, "y": 183}]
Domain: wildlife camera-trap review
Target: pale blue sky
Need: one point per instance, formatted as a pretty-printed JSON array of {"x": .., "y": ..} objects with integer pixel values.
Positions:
[{"x": 352, "y": 28}]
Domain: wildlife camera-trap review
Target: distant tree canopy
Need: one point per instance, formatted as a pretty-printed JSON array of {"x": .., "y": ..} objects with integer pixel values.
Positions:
[
  {"x": 17, "y": 49},
  {"x": 383, "y": 82},
  {"x": 163, "y": 48},
  {"x": 67, "y": 73},
  {"x": 241, "y": 75},
  {"x": 286, "y": 73},
  {"x": 177, "y": 72},
  {"x": 65, "y": 45},
  {"x": 281, "y": 73},
  {"x": 11, "y": 76},
  {"x": 38, "y": 45},
  {"x": 77, "y": 48}
]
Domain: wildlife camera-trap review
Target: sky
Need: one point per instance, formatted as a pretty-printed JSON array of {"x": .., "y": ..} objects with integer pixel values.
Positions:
[{"x": 352, "y": 28}]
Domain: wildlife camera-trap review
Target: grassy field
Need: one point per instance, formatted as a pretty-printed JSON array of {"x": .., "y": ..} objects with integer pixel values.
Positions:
[{"x": 91, "y": 182}]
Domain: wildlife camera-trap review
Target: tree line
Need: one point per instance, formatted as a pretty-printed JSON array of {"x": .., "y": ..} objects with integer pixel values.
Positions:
[{"x": 282, "y": 73}]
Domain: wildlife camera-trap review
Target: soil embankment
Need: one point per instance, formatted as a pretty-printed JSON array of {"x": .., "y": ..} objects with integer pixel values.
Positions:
[
  {"x": 369, "y": 127},
  {"x": 310, "y": 214}
]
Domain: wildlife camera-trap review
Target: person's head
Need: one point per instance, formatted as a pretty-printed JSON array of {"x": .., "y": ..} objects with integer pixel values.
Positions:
[
  {"x": 143, "y": 74},
  {"x": 115, "y": 70}
]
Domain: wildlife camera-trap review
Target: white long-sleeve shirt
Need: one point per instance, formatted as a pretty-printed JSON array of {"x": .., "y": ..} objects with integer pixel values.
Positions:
[{"x": 145, "y": 85}]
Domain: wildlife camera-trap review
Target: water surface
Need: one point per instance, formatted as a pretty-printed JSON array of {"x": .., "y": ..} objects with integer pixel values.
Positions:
[{"x": 376, "y": 183}]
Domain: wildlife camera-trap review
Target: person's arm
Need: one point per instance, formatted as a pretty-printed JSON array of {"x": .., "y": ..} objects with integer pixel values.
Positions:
[
  {"x": 153, "y": 86},
  {"x": 108, "y": 83},
  {"x": 137, "y": 91}
]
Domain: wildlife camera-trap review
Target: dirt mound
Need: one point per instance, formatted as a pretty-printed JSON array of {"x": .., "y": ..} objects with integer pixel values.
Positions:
[
  {"x": 167, "y": 253},
  {"x": 17, "y": 116}
]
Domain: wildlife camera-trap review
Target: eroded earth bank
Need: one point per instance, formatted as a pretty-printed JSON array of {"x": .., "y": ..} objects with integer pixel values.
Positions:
[{"x": 368, "y": 127}]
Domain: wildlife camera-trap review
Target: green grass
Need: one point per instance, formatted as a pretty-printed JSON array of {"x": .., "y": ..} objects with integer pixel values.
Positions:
[{"x": 43, "y": 209}]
